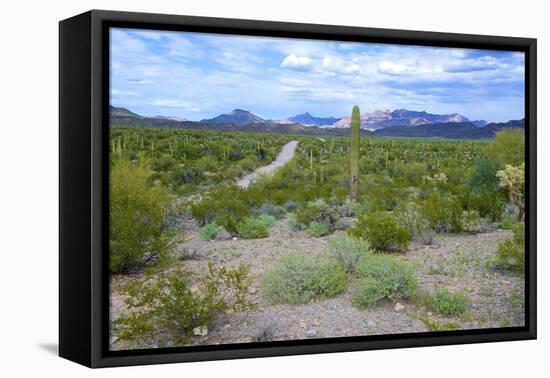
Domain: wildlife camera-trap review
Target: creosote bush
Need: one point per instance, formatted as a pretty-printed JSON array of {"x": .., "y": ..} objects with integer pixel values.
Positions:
[
  {"x": 447, "y": 303},
  {"x": 166, "y": 304},
  {"x": 252, "y": 228},
  {"x": 383, "y": 277},
  {"x": 348, "y": 251},
  {"x": 137, "y": 226},
  {"x": 383, "y": 230},
  {"x": 301, "y": 278}
]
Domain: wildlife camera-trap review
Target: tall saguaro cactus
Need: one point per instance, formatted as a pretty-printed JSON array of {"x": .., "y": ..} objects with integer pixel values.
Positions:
[{"x": 354, "y": 152}]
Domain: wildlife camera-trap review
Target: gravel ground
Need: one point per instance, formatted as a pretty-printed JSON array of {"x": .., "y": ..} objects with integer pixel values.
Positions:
[{"x": 457, "y": 262}]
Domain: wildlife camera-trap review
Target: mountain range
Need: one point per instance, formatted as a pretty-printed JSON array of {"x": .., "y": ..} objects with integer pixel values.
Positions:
[{"x": 397, "y": 123}]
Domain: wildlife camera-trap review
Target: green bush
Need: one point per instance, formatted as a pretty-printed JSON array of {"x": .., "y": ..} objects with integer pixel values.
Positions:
[
  {"x": 137, "y": 217},
  {"x": 269, "y": 220},
  {"x": 487, "y": 204},
  {"x": 470, "y": 222},
  {"x": 511, "y": 252},
  {"x": 383, "y": 277},
  {"x": 443, "y": 212},
  {"x": 301, "y": 278},
  {"x": 317, "y": 229},
  {"x": 383, "y": 230},
  {"x": 252, "y": 228},
  {"x": 166, "y": 305},
  {"x": 483, "y": 177},
  {"x": 293, "y": 223},
  {"x": 210, "y": 231},
  {"x": 447, "y": 303},
  {"x": 348, "y": 251},
  {"x": 268, "y": 208}
]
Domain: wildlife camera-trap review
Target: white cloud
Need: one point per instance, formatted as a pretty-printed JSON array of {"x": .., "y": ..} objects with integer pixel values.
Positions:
[{"x": 295, "y": 61}]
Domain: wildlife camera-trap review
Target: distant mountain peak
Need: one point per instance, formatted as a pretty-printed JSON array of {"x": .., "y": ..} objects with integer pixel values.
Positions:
[
  {"x": 309, "y": 120},
  {"x": 237, "y": 116}
]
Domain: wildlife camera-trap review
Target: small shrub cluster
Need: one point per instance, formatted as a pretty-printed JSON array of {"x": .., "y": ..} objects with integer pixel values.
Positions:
[
  {"x": 252, "y": 228},
  {"x": 383, "y": 230},
  {"x": 442, "y": 212},
  {"x": 383, "y": 277},
  {"x": 210, "y": 231},
  {"x": 511, "y": 252},
  {"x": 447, "y": 303},
  {"x": 348, "y": 251},
  {"x": 301, "y": 278},
  {"x": 165, "y": 303},
  {"x": 317, "y": 229}
]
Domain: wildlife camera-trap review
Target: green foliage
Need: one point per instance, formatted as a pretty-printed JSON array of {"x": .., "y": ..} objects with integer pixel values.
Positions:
[
  {"x": 470, "y": 221},
  {"x": 511, "y": 252},
  {"x": 137, "y": 225},
  {"x": 301, "y": 278},
  {"x": 488, "y": 204},
  {"x": 210, "y": 231},
  {"x": 435, "y": 326},
  {"x": 508, "y": 147},
  {"x": 383, "y": 230},
  {"x": 317, "y": 229},
  {"x": 443, "y": 212},
  {"x": 269, "y": 220},
  {"x": 483, "y": 177},
  {"x": 512, "y": 180},
  {"x": 252, "y": 228},
  {"x": 271, "y": 209},
  {"x": 383, "y": 277},
  {"x": 348, "y": 251},
  {"x": 354, "y": 152},
  {"x": 447, "y": 303},
  {"x": 166, "y": 304}
]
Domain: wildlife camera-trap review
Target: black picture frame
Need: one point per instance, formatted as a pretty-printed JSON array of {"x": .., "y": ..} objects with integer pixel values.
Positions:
[{"x": 84, "y": 175}]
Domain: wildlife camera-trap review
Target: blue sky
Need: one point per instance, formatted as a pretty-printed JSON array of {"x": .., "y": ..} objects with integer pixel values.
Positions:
[{"x": 198, "y": 75}]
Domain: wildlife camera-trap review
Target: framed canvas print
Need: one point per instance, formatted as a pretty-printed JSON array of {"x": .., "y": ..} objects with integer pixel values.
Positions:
[{"x": 234, "y": 188}]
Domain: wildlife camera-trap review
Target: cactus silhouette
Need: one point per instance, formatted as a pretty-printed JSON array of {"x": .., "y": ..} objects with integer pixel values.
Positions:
[{"x": 354, "y": 153}]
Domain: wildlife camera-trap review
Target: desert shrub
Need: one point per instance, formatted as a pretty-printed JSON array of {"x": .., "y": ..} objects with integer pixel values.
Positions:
[
  {"x": 166, "y": 304},
  {"x": 301, "y": 278},
  {"x": 435, "y": 326},
  {"x": 137, "y": 225},
  {"x": 489, "y": 204},
  {"x": 293, "y": 223},
  {"x": 470, "y": 222},
  {"x": 291, "y": 205},
  {"x": 383, "y": 277},
  {"x": 349, "y": 209},
  {"x": 443, "y": 212},
  {"x": 483, "y": 176},
  {"x": 511, "y": 252},
  {"x": 508, "y": 147},
  {"x": 223, "y": 208},
  {"x": 268, "y": 208},
  {"x": 317, "y": 229},
  {"x": 348, "y": 251},
  {"x": 447, "y": 303},
  {"x": 252, "y": 228},
  {"x": 210, "y": 231},
  {"x": 383, "y": 230},
  {"x": 269, "y": 220},
  {"x": 306, "y": 214}
]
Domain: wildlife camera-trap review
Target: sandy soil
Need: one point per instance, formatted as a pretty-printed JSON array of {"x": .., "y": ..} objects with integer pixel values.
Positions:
[{"x": 457, "y": 262}]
